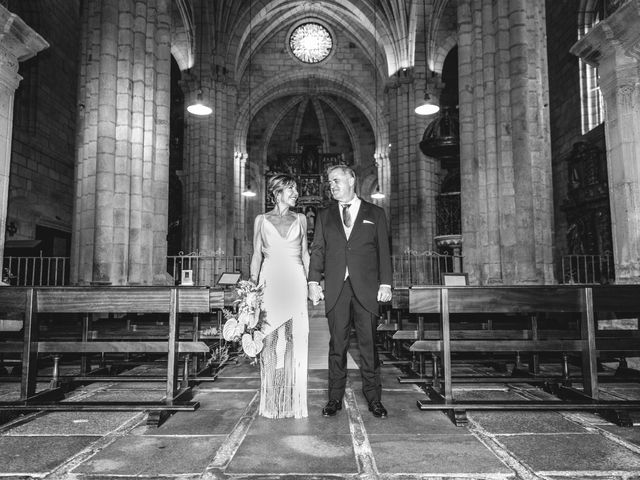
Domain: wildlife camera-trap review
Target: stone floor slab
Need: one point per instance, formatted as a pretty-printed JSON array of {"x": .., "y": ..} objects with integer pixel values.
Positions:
[
  {"x": 228, "y": 382},
  {"x": 631, "y": 435},
  {"x": 461, "y": 454},
  {"x": 294, "y": 454},
  {"x": 222, "y": 400},
  {"x": 571, "y": 452},
  {"x": 199, "y": 422},
  {"x": 405, "y": 416},
  {"x": 314, "y": 423},
  {"x": 125, "y": 395},
  {"x": 153, "y": 456},
  {"x": 37, "y": 455},
  {"x": 74, "y": 423},
  {"x": 524, "y": 422}
]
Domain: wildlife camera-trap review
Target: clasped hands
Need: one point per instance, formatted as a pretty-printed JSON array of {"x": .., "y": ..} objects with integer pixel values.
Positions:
[{"x": 315, "y": 293}]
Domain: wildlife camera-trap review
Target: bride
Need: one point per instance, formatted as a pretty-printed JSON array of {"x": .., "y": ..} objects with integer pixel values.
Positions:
[{"x": 280, "y": 263}]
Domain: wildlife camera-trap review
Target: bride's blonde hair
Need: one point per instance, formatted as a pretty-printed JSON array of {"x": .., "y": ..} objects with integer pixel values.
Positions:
[{"x": 278, "y": 183}]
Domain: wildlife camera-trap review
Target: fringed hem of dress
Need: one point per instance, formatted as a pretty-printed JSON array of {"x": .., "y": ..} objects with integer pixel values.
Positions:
[{"x": 283, "y": 386}]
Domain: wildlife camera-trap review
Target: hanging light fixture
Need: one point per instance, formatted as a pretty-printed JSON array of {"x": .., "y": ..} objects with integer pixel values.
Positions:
[
  {"x": 429, "y": 105},
  {"x": 248, "y": 191},
  {"x": 377, "y": 195},
  {"x": 199, "y": 107}
]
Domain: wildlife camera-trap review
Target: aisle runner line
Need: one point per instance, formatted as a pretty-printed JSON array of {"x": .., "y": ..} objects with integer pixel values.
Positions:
[
  {"x": 361, "y": 447},
  {"x": 228, "y": 449}
]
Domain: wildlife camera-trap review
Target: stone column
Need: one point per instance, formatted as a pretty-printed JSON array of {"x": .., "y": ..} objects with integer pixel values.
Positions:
[
  {"x": 208, "y": 171},
  {"x": 412, "y": 206},
  {"x": 122, "y": 158},
  {"x": 505, "y": 154},
  {"x": 613, "y": 45},
  {"x": 18, "y": 42}
]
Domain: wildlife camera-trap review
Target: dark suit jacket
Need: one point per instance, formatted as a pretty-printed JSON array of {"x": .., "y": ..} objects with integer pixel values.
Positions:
[{"x": 366, "y": 253}]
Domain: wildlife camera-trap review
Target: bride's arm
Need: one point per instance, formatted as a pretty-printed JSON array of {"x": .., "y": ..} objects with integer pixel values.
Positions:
[
  {"x": 305, "y": 246},
  {"x": 256, "y": 258}
]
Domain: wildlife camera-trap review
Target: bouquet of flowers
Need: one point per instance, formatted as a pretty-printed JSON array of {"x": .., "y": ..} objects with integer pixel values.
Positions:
[{"x": 245, "y": 326}]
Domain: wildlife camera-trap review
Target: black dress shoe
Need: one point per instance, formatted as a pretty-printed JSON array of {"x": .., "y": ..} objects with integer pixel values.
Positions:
[
  {"x": 377, "y": 409},
  {"x": 331, "y": 408}
]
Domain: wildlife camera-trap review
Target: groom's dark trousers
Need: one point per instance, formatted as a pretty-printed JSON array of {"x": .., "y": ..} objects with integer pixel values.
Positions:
[{"x": 365, "y": 324}]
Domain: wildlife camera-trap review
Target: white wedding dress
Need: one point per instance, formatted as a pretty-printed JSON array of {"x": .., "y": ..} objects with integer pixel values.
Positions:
[{"x": 283, "y": 360}]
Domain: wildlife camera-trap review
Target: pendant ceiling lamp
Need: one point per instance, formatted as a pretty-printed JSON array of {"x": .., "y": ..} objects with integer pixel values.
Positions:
[
  {"x": 248, "y": 191},
  {"x": 429, "y": 105},
  {"x": 377, "y": 195},
  {"x": 199, "y": 107}
]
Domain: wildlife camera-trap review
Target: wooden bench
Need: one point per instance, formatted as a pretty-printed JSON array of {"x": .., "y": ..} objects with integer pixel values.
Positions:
[
  {"x": 90, "y": 301},
  {"x": 621, "y": 300},
  {"x": 507, "y": 328},
  {"x": 529, "y": 300},
  {"x": 394, "y": 320},
  {"x": 13, "y": 302}
]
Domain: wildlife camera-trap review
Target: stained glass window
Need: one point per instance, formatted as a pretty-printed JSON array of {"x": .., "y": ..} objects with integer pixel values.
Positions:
[{"x": 311, "y": 43}]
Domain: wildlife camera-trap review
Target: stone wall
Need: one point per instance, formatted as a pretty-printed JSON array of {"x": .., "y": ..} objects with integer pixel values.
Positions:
[
  {"x": 564, "y": 97},
  {"x": 42, "y": 157}
]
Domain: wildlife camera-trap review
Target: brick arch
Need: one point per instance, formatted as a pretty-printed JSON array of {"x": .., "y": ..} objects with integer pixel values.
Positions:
[
  {"x": 433, "y": 50},
  {"x": 277, "y": 88},
  {"x": 182, "y": 34},
  {"x": 277, "y": 118},
  {"x": 297, "y": 124},
  {"x": 322, "y": 123},
  {"x": 294, "y": 84},
  {"x": 324, "y": 129},
  {"x": 441, "y": 53},
  {"x": 348, "y": 125},
  {"x": 587, "y": 12}
]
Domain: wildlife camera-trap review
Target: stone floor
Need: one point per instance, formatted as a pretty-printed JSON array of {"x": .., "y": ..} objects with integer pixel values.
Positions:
[{"x": 226, "y": 439}]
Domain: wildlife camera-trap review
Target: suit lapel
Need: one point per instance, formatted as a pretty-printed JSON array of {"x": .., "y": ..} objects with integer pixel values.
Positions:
[
  {"x": 334, "y": 213},
  {"x": 363, "y": 212}
]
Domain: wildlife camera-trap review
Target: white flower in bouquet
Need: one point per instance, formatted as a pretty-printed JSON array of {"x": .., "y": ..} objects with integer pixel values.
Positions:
[
  {"x": 245, "y": 318},
  {"x": 245, "y": 327},
  {"x": 253, "y": 301},
  {"x": 250, "y": 345},
  {"x": 232, "y": 330}
]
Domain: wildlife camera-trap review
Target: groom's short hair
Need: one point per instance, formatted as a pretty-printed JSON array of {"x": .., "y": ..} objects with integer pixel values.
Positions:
[{"x": 347, "y": 170}]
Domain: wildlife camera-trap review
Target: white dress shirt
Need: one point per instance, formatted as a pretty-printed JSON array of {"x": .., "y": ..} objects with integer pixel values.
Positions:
[{"x": 354, "y": 208}]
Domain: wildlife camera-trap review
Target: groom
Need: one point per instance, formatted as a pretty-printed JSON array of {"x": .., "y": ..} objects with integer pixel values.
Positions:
[{"x": 351, "y": 248}]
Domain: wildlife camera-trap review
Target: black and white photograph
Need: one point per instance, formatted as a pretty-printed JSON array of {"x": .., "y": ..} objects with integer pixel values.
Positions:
[{"x": 320, "y": 239}]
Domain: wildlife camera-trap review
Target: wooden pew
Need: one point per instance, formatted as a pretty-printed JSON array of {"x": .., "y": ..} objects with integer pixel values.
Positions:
[
  {"x": 87, "y": 301},
  {"x": 499, "y": 361},
  {"x": 446, "y": 301},
  {"x": 13, "y": 304},
  {"x": 621, "y": 300},
  {"x": 394, "y": 320}
]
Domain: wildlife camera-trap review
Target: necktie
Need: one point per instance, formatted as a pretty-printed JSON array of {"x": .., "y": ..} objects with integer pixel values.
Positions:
[{"x": 346, "y": 216}]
